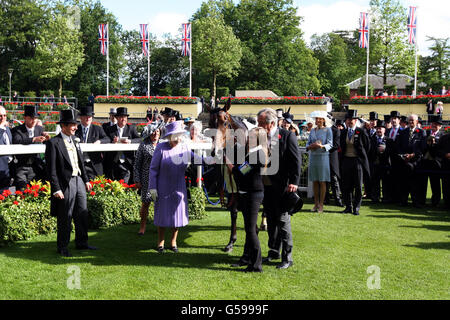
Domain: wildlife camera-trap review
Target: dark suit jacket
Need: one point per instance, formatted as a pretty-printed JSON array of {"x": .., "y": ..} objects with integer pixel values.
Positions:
[
  {"x": 95, "y": 133},
  {"x": 377, "y": 158},
  {"x": 417, "y": 145},
  {"x": 361, "y": 145},
  {"x": 20, "y": 136},
  {"x": 130, "y": 132},
  {"x": 334, "y": 151},
  {"x": 289, "y": 160},
  {"x": 106, "y": 126},
  {"x": 4, "y": 167},
  {"x": 59, "y": 170},
  {"x": 442, "y": 149}
]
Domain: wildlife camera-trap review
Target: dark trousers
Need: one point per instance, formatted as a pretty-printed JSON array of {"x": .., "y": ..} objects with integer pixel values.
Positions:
[
  {"x": 250, "y": 203},
  {"x": 123, "y": 171},
  {"x": 394, "y": 180},
  {"x": 335, "y": 187},
  {"x": 352, "y": 181},
  {"x": 432, "y": 171},
  {"x": 446, "y": 182},
  {"x": 90, "y": 171},
  {"x": 23, "y": 176},
  {"x": 278, "y": 226},
  {"x": 379, "y": 183},
  {"x": 75, "y": 205}
]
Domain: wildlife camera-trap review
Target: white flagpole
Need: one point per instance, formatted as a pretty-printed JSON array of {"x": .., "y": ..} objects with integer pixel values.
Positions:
[
  {"x": 367, "y": 64},
  {"x": 107, "y": 62},
  {"x": 415, "y": 68},
  {"x": 148, "y": 61},
  {"x": 190, "y": 66}
]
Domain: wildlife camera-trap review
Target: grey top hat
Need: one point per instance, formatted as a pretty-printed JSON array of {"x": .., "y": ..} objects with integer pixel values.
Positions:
[{"x": 112, "y": 111}]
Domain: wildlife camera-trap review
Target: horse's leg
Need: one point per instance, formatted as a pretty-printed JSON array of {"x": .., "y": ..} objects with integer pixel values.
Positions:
[{"x": 233, "y": 215}]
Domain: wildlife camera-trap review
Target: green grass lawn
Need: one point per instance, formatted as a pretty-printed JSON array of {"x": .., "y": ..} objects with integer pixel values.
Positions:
[{"x": 331, "y": 254}]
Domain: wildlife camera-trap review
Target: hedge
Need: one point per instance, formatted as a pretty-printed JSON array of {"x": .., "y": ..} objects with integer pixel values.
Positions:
[
  {"x": 276, "y": 100},
  {"x": 422, "y": 99},
  {"x": 146, "y": 100}
]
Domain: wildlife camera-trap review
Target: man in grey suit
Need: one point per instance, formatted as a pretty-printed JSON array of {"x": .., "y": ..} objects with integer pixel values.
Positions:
[
  {"x": 5, "y": 139},
  {"x": 69, "y": 183}
]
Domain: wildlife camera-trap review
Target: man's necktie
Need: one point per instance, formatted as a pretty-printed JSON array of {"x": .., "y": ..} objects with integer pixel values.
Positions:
[
  {"x": 350, "y": 133},
  {"x": 85, "y": 134}
]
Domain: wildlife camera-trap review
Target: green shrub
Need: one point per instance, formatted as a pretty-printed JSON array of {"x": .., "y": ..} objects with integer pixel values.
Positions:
[
  {"x": 390, "y": 89},
  {"x": 222, "y": 92},
  {"x": 47, "y": 92},
  {"x": 165, "y": 92},
  {"x": 205, "y": 93},
  {"x": 183, "y": 92},
  {"x": 362, "y": 90},
  {"x": 196, "y": 204},
  {"x": 30, "y": 95},
  {"x": 68, "y": 94}
]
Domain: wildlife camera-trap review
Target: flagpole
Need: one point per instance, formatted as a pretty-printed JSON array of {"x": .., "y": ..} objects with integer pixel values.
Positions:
[
  {"x": 190, "y": 66},
  {"x": 415, "y": 68},
  {"x": 148, "y": 61},
  {"x": 367, "y": 64},
  {"x": 107, "y": 62}
]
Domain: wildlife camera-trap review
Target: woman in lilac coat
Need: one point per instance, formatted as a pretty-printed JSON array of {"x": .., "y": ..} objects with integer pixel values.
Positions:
[{"x": 167, "y": 183}]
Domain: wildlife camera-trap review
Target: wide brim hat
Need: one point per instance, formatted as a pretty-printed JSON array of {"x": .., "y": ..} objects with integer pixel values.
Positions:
[
  {"x": 319, "y": 114},
  {"x": 176, "y": 127},
  {"x": 150, "y": 128},
  {"x": 68, "y": 116},
  {"x": 167, "y": 111},
  {"x": 288, "y": 117},
  {"x": 31, "y": 111},
  {"x": 373, "y": 115},
  {"x": 351, "y": 114},
  {"x": 122, "y": 111},
  {"x": 87, "y": 111},
  {"x": 395, "y": 114},
  {"x": 189, "y": 120},
  {"x": 380, "y": 123},
  {"x": 292, "y": 202}
]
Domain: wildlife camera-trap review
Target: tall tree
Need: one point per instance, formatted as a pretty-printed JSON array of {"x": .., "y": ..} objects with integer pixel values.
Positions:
[
  {"x": 389, "y": 51},
  {"x": 216, "y": 50},
  {"x": 435, "y": 69}
]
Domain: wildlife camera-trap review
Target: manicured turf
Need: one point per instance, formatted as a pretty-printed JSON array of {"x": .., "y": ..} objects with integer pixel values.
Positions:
[{"x": 332, "y": 253}]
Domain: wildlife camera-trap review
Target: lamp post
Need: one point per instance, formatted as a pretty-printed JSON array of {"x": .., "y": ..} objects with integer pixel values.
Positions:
[{"x": 10, "y": 72}]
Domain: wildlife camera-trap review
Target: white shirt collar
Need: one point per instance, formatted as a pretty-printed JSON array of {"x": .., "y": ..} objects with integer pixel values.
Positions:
[{"x": 66, "y": 138}]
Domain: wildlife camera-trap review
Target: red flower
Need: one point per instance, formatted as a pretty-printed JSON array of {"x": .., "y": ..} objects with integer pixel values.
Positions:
[
  {"x": 16, "y": 203},
  {"x": 18, "y": 192},
  {"x": 92, "y": 193},
  {"x": 417, "y": 130},
  {"x": 2, "y": 198},
  {"x": 279, "y": 136},
  {"x": 6, "y": 193},
  {"x": 102, "y": 185}
]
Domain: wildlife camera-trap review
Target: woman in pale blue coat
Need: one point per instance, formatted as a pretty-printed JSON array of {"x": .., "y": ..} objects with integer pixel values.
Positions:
[{"x": 320, "y": 141}]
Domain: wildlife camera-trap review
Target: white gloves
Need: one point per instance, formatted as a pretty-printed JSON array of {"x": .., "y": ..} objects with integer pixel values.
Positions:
[{"x": 154, "y": 194}]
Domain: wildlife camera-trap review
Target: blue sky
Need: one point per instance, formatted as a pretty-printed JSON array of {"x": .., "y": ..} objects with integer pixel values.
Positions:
[{"x": 319, "y": 16}]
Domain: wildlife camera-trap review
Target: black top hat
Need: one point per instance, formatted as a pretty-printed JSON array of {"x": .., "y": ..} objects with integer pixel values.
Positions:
[
  {"x": 31, "y": 111},
  {"x": 292, "y": 202},
  {"x": 395, "y": 114},
  {"x": 435, "y": 118},
  {"x": 387, "y": 117},
  {"x": 122, "y": 111},
  {"x": 373, "y": 115},
  {"x": 167, "y": 111},
  {"x": 351, "y": 114},
  {"x": 338, "y": 122},
  {"x": 288, "y": 117},
  {"x": 87, "y": 111},
  {"x": 380, "y": 123},
  {"x": 403, "y": 119},
  {"x": 68, "y": 116},
  {"x": 177, "y": 115}
]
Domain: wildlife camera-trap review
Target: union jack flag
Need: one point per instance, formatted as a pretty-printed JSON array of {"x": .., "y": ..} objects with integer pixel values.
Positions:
[
  {"x": 364, "y": 30},
  {"x": 144, "y": 39},
  {"x": 412, "y": 25},
  {"x": 186, "y": 40},
  {"x": 103, "y": 38}
]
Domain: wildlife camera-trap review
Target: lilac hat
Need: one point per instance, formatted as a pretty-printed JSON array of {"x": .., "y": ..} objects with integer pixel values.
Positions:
[{"x": 174, "y": 128}]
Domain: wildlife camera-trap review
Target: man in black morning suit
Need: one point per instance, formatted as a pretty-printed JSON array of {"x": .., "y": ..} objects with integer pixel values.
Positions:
[
  {"x": 335, "y": 175},
  {"x": 69, "y": 182},
  {"x": 444, "y": 153},
  {"x": 380, "y": 162},
  {"x": 90, "y": 133},
  {"x": 283, "y": 176},
  {"x": 394, "y": 179},
  {"x": 354, "y": 162},
  {"x": 30, "y": 166},
  {"x": 122, "y": 132},
  {"x": 411, "y": 145},
  {"x": 5, "y": 139}
]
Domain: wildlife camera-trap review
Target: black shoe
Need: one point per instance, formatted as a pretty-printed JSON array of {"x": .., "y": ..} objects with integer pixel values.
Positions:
[
  {"x": 285, "y": 265},
  {"x": 87, "y": 247},
  {"x": 268, "y": 259},
  {"x": 339, "y": 203},
  {"x": 356, "y": 213},
  {"x": 64, "y": 253},
  {"x": 174, "y": 249},
  {"x": 160, "y": 249},
  {"x": 347, "y": 210},
  {"x": 251, "y": 269},
  {"x": 140, "y": 233},
  {"x": 239, "y": 264}
]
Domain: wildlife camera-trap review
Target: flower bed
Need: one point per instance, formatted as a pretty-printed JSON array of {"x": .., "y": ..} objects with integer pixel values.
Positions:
[
  {"x": 276, "y": 100},
  {"x": 146, "y": 99},
  {"x": 24, "y": 215},
  {"x": 422, "y": 99}
]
